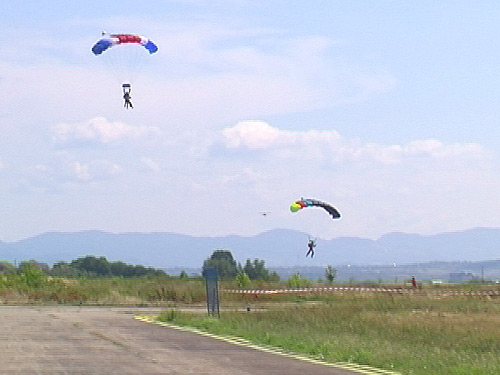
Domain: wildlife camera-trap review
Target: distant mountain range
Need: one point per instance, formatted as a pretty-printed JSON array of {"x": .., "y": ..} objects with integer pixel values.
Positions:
[{"x": 278, "y": 248}]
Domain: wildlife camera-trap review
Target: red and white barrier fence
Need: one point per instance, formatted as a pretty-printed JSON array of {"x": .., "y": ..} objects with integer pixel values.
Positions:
[{"x": 448, "y": 292}]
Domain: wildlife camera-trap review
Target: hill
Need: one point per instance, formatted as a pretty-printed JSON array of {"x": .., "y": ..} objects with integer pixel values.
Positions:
[{"x": 279, "y": 248}]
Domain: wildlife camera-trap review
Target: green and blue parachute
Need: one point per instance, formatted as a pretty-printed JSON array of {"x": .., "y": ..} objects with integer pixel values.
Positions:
[{"x": 303, "y": 203}]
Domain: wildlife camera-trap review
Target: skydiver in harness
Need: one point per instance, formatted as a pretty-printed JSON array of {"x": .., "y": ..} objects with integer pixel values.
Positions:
[
  {"x": 311, "y": 245},
  {"x": 126, "y": 96}
]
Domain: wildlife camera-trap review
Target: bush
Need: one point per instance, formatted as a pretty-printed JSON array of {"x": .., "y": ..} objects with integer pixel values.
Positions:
[
  {"x": 297, "y": 281},
  {"x": 243, "y": 280}
]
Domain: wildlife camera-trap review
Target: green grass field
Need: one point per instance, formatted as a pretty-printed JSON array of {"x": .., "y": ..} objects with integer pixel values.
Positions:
[{"x": 413, "y": 334}]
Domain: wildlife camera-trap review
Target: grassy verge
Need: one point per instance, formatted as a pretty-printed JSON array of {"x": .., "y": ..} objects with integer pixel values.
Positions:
[
  {"x": 16, "y": 289},
  {"x": 409, "y": 334}
]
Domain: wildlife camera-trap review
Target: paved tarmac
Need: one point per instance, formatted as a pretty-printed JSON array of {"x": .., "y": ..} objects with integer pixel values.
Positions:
[{"x": 107, "y": 341}]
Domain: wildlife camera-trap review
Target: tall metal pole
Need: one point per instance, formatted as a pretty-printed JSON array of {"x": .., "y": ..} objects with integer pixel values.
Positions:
[{"x": 210, "y": 274}]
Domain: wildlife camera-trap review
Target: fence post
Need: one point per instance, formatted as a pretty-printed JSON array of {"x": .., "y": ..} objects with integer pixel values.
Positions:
[{"x": 210, "y": 274}]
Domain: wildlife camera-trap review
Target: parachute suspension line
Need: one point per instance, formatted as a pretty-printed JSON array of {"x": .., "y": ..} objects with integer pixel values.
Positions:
[{"x": 125, "y": 62}]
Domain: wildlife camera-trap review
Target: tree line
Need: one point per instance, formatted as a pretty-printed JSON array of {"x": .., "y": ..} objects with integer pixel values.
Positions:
[
  {"x": 229, "y": 269},
  {"x": 89, "y": 266},
  {"x": 92, "y": 266}
]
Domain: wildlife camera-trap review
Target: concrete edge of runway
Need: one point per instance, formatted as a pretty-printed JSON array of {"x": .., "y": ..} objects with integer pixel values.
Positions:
[{"x": 362, "y": 369}]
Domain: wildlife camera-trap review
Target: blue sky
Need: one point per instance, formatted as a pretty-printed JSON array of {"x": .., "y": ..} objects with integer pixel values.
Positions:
[{"x": 386, "y": 109}]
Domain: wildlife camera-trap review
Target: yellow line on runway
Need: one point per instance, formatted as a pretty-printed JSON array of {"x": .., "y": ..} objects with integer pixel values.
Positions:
[{"x": 362, "y": 369}]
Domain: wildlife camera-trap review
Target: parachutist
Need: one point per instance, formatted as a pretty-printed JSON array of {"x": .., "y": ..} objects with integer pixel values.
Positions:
[
  {"x": 124, "y": 62},
  {"x": 126, "y": 96},
  {"x": 311, "y": 245}
]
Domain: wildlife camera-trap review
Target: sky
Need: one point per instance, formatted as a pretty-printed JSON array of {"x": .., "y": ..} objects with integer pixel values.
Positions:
[{"x": 388, "y": 110}]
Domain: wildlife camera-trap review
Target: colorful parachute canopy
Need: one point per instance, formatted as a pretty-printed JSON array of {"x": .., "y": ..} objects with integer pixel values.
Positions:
[
  {"x": 300, "y": 204},
  {"x": 115, "y": 39}
]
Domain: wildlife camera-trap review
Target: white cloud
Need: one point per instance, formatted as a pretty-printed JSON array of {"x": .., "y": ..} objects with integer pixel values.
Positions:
[
  {"x": 81, "y": 171},
  {"x": 261, "y": 135},
  {"x": 65, "y": 172},
  {"x": 251, "y": 134},
  {"x": 100, "y": 130},
  {"x": 94, "y": 170},
  {"x": 329, "y": 144},
  {"x": 151, "y": 164}
]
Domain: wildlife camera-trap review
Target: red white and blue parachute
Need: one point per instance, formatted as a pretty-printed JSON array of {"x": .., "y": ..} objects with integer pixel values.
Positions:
[{"x": 117, "y": 39}]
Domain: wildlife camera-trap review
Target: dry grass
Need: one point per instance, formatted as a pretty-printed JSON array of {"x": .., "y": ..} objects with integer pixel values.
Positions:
[{"x": 101, "y": 291}]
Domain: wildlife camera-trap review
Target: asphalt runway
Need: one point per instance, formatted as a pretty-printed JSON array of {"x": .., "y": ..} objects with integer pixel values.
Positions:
[{"x": 108, "y": 340}]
